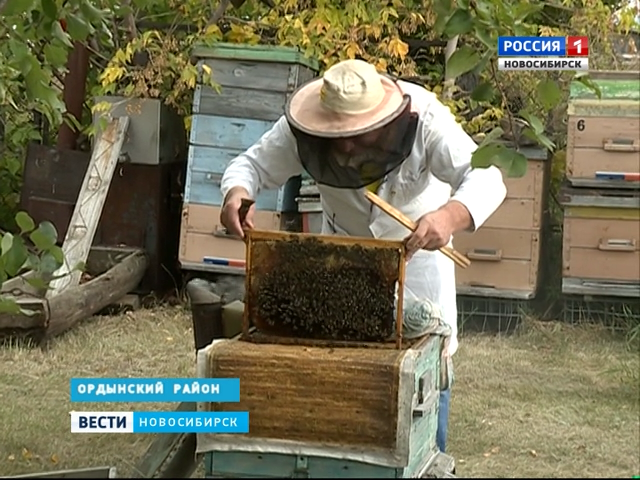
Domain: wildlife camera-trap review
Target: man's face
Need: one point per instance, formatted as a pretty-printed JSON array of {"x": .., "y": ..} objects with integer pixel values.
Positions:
[{"x": 355, "y": 151}]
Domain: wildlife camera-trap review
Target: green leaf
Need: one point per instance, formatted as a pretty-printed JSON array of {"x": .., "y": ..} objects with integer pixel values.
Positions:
[
  {"x": 484, "y": 35},
  {"x": 60, "y": 34},
  {"x": 539, "y": 137},
  {"x": 90, "y": 12},
  {"x": 7, "y": 241},
  {"x": 77, "y": 27},
  {"x": 42, "y": 238},
  {"x": 549, "y": 93},
  {"x": 534, "y": 122},
  {"x": 485, "y": 155},
  {"x": 459, "y": 23},
  {"x": 57, "y": 254},
  {"x": 25, "y": 222},
  {"x": 464, "y": 4},
  {"x": 513, "y": 163},
  {"x": 483, "y": 93},
  {"x": 48, "y": 263},
  {"x": 522, "y": 11},
  {"x": 585, "y": 79},
  {"x": 442, "y": 9},
  {"x": 492, "y": 136},
  {"x": 50, "y": 9},
  {"x": 463, "y": 60},
  {"x": 37, "y": 282},
  {"x": 9, "y": 305},
  {"x": 80, "y": 266},
  {"x": 18, "y": 7},
  {"x": 15, "y": 257}
]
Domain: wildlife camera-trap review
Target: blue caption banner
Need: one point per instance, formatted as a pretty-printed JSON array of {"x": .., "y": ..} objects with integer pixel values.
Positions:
[
  {"x": 159, "y": 422},
  {"x": 155, "y": 390},
  {"x": 532, "y": 46}
]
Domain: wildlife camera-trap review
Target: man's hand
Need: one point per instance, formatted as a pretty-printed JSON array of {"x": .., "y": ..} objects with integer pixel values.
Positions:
[
  {"x": 434, "y": 229},
  {"x": 230, "y": 214}
]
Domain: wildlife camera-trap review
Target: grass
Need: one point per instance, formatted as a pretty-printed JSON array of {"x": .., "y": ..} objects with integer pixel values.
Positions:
[{"x": 554, "y": 401}]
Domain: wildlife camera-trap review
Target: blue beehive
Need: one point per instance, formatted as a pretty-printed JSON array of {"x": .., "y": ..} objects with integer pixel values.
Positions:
[{"x": 254, "y": 85}]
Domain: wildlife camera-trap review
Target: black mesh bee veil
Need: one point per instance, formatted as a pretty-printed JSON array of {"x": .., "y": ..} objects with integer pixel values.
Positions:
[{"x": 356, "y": 161}]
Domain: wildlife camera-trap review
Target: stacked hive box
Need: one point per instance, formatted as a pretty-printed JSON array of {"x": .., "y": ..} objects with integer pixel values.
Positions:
[
  {"x": 309, "y": 205},
  {"x": 601, "y": 198},
  {"x": 505, "y": 252},
  {"x": 255, "y": 82}
]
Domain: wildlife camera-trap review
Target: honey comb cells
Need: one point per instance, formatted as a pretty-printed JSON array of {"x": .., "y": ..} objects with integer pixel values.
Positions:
[{"x": 326, "y": 291}]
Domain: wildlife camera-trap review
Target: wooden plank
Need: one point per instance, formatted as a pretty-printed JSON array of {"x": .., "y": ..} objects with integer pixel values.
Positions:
[
  {"x": 99, "y": 472},
  {"x": 250, "y": 74},
  {"x": 204, "y": 188},
  {"x": 590, "y": 287},
  {"x": 604, "y": 108},
  {"x": 517, "y": 213},
  {"x": 596, "y": 183},
  {"x": 263, "y": 53},
  {"x": 594, "y": 132},
  {"x": 88, "y": 210},
  {"x": 211, "y": 159},
  {"x": 227, "y": 132},
  {"x": 495, "y": 293},
  {"x": 585, "y": 162},
  {"x": 236, "y": 102},
  {"x": 528, "y": 186}
]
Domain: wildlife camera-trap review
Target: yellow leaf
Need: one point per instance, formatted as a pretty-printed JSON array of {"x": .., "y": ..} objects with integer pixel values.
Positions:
[
  {"x": 26, "y": 454},
  {"x": 382, "y": 64},
  {"x": 111, "y": 75},
  {"x": 398, "y": 48},
  {"x": 213, "y": 30},
  {"x": 101, "y": 107},
  {"x": 352, "y": 50},
  {"x": 54, "y": 459}
]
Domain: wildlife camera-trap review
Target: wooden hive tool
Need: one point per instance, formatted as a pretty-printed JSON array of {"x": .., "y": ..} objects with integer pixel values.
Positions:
[{"x": 457, "y": 257}]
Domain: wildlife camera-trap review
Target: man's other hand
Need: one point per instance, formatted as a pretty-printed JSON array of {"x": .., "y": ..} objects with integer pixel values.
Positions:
[
  {"x": 230, "y": 214},
  {"x": 434, "y": 230}
]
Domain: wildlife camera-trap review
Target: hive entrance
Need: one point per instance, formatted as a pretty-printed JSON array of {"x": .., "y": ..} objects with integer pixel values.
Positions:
[{"x": 322, "y": 287}]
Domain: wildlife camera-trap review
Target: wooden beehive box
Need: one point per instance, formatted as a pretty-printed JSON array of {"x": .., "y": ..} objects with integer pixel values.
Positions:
[
  {"x": 315, "y": 411},
  {"x": 505, "y": 251},
  {"x": 601, "y": 242},
  {"x": 603, "y": 138},
  {"x": 323, "y": 288},
  {"x": 254, "y": 84}
]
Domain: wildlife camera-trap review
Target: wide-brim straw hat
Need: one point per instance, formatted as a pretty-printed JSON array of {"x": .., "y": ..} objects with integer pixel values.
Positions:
[{"x": 350, "y": 99}]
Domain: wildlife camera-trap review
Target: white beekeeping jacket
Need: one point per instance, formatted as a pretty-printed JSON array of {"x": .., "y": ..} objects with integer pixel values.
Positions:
[{"x": 438, "y": 169}]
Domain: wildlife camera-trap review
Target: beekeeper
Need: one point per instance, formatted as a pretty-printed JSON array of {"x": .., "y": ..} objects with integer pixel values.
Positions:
[{"x": 354, "y": 129}]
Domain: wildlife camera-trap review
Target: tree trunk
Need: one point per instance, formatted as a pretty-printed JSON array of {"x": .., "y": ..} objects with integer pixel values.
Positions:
[{"x": 75, "y": 82}]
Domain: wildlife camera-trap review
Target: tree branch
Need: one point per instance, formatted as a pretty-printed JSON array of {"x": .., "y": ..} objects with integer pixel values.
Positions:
[
  {"x": 130, "y": 21},
  {"x": 217, "y": 15}
]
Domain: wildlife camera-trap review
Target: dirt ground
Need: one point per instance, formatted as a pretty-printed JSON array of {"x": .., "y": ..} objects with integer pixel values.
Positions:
[{"x": 553, "y": 401}]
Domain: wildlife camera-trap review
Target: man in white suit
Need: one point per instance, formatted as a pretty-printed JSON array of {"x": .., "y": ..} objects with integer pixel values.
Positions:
[{"x": 353, "y": 129}]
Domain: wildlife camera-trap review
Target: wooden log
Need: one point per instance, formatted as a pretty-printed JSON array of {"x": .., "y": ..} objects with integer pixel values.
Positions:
[
  {"x": 77, "y": 303},
  {"x": 38, "y": 320}
]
